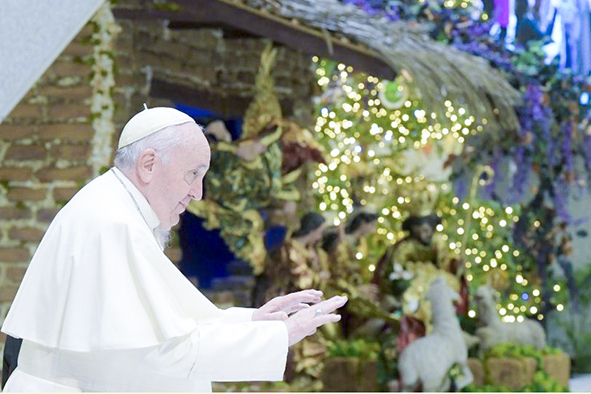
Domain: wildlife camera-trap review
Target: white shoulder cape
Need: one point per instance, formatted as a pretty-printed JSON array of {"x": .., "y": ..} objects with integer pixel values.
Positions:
[{"x": 99, "y": 280}]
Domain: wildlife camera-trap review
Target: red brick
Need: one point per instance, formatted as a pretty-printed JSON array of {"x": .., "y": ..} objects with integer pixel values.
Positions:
[
  {"x": 156, "y": 60},
  {"x": 15, "y": 132},
  {"x": 129, "y": 80},
  {"x": 26, "y": 234},
  {"x": 67, "y": 92},
  {"x": 172, "y": 49},
  {"x": 9, "y": 213},
  {"x": 25, "y": 152},
  {"x": 78, "y": 49},
  {"x": 25, "y": 194},
  {"x": 71, "y": 152},
  {"x": 69, "y": 111},
  {"x": 64, "y": 174},
  {"x": 14, "y": 255},
  {"x": 7, "y": 292},
  {"x": 15, "y": 174},
  {"x": 71, "y": 69},
  {"x": 64, "y": 193},
  {"x": 122, "y": 115},
  {"x": 124, "y": 44},
  {"x": 72, "y": 132},
  {"x": 46, "y": 215},
  {"x": 15, "y": 273},
  {"x": 205, "y": 74},
  {"x": 27, "y": 111},
  {"x": 246, "y": 77}
]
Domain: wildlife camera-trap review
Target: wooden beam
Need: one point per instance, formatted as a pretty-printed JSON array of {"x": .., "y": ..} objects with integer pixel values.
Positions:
[
  {"x": 224, "y": 105},
  {"x": 299, "y": 37},
  {"x": 229, "y": 32},
  {"x": 147, "y": 14},
  {"x": 180, "y": 20},
  {"x": 222, "y": 13}
]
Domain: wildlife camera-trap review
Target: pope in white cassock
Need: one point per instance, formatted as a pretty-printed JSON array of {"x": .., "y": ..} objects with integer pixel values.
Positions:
[{"x": 101, "y": 308}]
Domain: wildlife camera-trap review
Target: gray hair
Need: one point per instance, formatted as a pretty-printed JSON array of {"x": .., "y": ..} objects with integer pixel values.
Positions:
[
  {"x": 165, "y": 237},
  {"x": 163, "y": 141}
]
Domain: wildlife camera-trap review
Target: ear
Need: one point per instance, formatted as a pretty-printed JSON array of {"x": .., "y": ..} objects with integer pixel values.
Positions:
[{"x": 145, "y": 165}]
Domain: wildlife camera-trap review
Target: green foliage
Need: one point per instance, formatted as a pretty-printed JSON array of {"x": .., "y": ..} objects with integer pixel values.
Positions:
[
  {"x": 387, "y": 360},
  {"x": 491, "y": 254},
  {"x": 527, "y": 61},
  {"x": 376, "y": 132},
  {"x": 574, "y": 334},
  {"x": 571, "y": 328},
  {"x": 487, "y": 388},
  {"x": 354, "y": 348},
  {"x": 510, "y": 350},
  {"x": 583, "y": 278},
  {"x": 542, "y": 381}
]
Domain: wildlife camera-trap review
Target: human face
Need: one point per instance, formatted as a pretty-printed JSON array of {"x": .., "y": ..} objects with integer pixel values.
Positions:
[
  {"x": 316, "y": 234},
  {"x": 423, "y": 232},
  {"x": 181, "y": 179}
]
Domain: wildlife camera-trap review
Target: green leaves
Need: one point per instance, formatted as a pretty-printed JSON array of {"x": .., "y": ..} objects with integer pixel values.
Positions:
[{"x": 354, "y": 348}]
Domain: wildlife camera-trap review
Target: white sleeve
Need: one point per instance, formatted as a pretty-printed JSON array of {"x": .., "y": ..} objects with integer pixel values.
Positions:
[
  {"x": 213, "y": 352},
  {"x": 248, "y": 351},
  {"x": 237, "y": 315}
]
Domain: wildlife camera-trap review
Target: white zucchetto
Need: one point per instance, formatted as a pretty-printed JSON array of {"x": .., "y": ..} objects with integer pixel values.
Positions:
[{"x": 150, "y": 121}]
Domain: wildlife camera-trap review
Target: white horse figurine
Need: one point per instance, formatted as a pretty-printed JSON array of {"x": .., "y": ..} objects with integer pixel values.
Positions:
[
  {"x": 528, "y": 332},
  {"x": 425, "y": 363}
]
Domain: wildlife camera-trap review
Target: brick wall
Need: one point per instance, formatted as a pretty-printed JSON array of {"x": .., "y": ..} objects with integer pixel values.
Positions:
[
  {"x": 203, "y": 60},
  {"x": 45, "y": 141},
  {"x": 44, "y": 150}
]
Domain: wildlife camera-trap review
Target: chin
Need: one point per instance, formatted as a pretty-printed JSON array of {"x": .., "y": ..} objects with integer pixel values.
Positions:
[{"x": 174, "y": 221}]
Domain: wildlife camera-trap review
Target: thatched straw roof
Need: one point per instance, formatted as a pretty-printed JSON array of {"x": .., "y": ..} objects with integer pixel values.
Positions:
[{"x": 438, "y": 72}]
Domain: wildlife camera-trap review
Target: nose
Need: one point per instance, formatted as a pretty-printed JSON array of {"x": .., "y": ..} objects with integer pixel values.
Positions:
[{"x": 196, "y": 191}]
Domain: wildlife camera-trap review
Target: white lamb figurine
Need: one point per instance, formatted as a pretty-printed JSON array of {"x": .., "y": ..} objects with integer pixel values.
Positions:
[
  {"x": 528, "y": 332},
  {"x": 425, "y": 363}
]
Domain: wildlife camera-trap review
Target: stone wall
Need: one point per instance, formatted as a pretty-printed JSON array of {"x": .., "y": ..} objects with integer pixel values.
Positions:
[{"x": 45, "y": 143}]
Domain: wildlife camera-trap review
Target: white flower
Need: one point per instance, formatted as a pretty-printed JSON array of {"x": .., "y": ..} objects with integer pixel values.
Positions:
[{"x": 399, "y": 273}]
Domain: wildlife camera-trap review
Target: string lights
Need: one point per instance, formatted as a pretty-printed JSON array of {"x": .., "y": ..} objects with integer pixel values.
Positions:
[{"x": 374, "y": 131}]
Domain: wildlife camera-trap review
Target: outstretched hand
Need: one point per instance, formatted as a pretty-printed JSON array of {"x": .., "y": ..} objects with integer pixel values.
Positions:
[
  {"x": 306, "y": 321},
  {"x": 279, "y": 308}
]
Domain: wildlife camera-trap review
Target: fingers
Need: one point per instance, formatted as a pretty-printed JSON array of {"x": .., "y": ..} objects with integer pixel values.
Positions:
[
  {"x": 297, "y": 301},
  {"x": 277, "y": 316},
  {"x": 305, "y": 322},
  {"x": 304, "y": 296},
  {"x": 317, "y": 293},
  {"x": 324, "y": 319},
  {"x": 298, "y": 307},
  {"x": 331, "y": 304}
]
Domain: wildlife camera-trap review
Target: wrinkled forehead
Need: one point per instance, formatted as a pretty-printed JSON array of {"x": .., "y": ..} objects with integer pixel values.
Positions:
[{"x": 195, "y": 148}]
